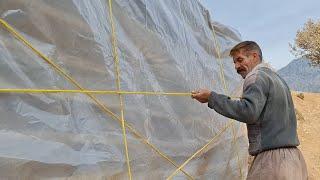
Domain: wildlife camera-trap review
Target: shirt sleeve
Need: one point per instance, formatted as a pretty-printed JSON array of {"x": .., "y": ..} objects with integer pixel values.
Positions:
[{"x": 247, "y": 109}]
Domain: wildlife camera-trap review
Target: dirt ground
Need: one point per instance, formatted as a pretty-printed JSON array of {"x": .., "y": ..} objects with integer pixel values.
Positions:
[{"x": 308, "y": 114}]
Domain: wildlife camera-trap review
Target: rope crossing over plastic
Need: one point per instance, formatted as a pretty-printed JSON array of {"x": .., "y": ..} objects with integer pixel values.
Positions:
[
  {"x": 226, "y": 92},
  {"x": 218, "y": 50},
  {"x": 120, "y": 93},
  {"x": 231, "y": 122},
  {"x": 89, "y": 93},
  {"x": 117, "y": 70},
  {"x": 36, "y": 91}
]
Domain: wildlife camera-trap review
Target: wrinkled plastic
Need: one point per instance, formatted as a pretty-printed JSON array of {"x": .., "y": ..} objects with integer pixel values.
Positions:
[{"x": 164, "y": 46}]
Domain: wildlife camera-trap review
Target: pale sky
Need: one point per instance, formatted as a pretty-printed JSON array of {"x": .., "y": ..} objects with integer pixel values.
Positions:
[{"x": 272, "y": 23}]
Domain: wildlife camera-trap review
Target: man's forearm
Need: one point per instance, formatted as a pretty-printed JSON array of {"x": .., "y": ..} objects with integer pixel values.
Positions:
[{"x": 240, "y": 110}]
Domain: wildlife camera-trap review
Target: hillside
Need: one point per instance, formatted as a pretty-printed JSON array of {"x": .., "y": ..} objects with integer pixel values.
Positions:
[
  {"x": 308, "y": 129},
  {"x": 300, "y": 76}
]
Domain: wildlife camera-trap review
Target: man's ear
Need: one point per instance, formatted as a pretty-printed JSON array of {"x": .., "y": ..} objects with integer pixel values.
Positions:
[{"x": 255, "y": 55}]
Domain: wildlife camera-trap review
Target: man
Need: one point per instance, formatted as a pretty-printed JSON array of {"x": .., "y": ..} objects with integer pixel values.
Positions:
[{"x": 266, "y": 107}]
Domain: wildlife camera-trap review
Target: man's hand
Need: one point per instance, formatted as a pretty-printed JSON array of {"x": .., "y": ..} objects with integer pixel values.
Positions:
[{"x": 202, "y": 95}]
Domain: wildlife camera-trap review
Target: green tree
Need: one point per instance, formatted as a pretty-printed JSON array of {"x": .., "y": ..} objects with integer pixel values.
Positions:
[{"x": 307, "y": 42}]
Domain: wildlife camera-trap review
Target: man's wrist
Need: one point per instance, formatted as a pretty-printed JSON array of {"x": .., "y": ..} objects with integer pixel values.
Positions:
[{"x": 211, "y": 99}]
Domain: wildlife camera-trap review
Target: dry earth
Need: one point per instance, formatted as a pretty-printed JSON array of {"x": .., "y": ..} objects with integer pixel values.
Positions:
[{"x": 308, "y": 114}]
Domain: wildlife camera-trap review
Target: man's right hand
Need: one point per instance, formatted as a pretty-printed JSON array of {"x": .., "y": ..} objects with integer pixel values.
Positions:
[{"x": 201, "y": 95}]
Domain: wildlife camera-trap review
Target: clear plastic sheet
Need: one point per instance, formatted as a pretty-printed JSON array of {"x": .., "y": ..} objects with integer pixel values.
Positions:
[{"x": 163, "y": 46}]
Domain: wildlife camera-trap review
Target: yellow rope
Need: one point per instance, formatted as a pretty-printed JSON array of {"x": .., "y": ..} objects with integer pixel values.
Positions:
[
  {"x": 86, "y": 91},
  {"x": 225, "y": 89},
  {"x": 53, "y": 91},
  {"x": 117, "y": 70},
  {"x": 222, "y": 78},
  {"x": 226, "y": 92},
  {"x": 237, "y": 151},
  {"x": 200, "y": 150},
  {"x": 99, "y": 104},
  {"x": 216, "y": 44},
  {"x": 218, "y": 50},
  {"x": 35, "y": 91}
]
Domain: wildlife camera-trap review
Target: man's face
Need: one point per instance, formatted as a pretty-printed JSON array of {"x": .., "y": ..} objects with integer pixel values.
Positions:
[{"x": 244, "y": 62}]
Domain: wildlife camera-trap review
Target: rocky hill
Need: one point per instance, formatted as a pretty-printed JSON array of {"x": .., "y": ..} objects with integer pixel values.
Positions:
[{"x": 301, "y": 76}]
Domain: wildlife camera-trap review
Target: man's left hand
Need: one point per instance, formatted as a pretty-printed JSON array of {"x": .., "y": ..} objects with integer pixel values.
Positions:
[{"x": 201, "y": 95}]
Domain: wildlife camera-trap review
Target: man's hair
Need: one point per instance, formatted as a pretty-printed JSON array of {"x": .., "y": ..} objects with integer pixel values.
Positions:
[{"x": 247, "y": 46}]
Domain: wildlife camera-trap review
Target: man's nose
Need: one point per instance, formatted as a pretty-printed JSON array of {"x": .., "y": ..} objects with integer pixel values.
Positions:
[{"x": 236, "y": 65}]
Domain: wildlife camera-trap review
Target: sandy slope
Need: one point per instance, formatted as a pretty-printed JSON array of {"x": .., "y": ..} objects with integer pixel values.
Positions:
[{"x": 309, "y": 130}]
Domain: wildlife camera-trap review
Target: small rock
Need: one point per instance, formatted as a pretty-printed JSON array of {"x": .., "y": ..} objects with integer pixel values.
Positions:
[{"x": 300, "y": 95}]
